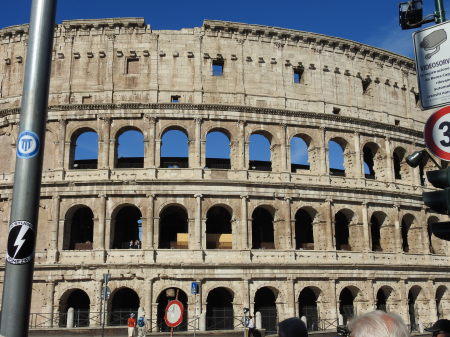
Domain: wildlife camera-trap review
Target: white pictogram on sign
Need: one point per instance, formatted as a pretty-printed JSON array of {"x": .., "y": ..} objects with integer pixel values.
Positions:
[{"x": 27, "y": 144}]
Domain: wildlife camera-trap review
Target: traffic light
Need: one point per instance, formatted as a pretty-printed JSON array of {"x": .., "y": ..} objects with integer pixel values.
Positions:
[
  {"x": 411, "y": 13},
  {"x": 439, "y": 201}
]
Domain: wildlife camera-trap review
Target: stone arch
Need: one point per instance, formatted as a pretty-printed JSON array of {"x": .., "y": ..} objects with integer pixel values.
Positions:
[
  {"x": 385, "y": 298},
  {"x": 78, "y": 228},
  {"x": 346, "y": 230},
  {"x": 260, "y": 150},
  {"x": 338, "y": 156},
  {"x": 437, "y": 246},
  {"x": 170, "y": 135},
  {"x": 126, "y": 227},
  {"x": 381, "y": 233},
  {"x": 82, "y": 153},
  {"x": 134, "y": 156},
  {"x": 219, "y": 309},
  {"x": 218, "y": 156},
  {"x": 263, "y": 227},
  {"x": 308, "y": 307},
  {"x": 219, "y": 228},
  {"x": 305, "y": 218},
  {"x": 79, "y": 300},
  {"x": 173, "y": 227},
  {"x": 402, "y": 170},
  {"x": 442, "y": 302},
  {"x": 347, "y": 308},
  {"x": 411, "y": 234},
  {"x": 417, "y": 308},
  {"x": 265, "y": 302},
  {"x": 121, "y": 303},
  {"x": 300, "y": 152},
  {"x": 372, "y": 160},
  {"x": 163, "y": 298}
]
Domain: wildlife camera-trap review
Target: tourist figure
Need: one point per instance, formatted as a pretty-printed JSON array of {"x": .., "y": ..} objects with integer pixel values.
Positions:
[
  {"x": 141, "y": 326},
  {"x": 292, "y": 327},
  {"x": 378, "y": 323},
  {"x": 251, "y": 326},
  {"x": 137, "y": 244},
  {"x": 131, "y": 325},
  {"x": 131, "y": 245},
  {"x": 441, "y": 328}
]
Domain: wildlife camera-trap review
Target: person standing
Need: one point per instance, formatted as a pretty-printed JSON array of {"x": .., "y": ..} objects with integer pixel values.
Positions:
[
  {"x": 131, "y": 325},
  {"x": 251, "y": 326},
  {"x": 440, "y": 329}
]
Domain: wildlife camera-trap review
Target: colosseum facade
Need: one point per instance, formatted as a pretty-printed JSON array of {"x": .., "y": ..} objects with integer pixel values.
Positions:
[{"x": 279, "y": 237}]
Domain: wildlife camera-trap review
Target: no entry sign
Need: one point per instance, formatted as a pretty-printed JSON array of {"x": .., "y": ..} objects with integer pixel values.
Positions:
[
  {"x": 174, "y": 313},
  {"x": 437, "y": 133}
]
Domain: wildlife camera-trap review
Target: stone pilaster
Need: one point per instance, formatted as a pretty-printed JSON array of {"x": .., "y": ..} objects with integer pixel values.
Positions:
[{"x": 244, "y": 223}]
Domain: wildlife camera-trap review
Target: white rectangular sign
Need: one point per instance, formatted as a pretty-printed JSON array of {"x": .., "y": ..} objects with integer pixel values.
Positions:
[{"x": 432, "y": 50}]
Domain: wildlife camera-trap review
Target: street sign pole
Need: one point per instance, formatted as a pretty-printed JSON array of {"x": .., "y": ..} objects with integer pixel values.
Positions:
[
  {"x": 18, "y": 276},
  {"x": 440, "y": 12}
]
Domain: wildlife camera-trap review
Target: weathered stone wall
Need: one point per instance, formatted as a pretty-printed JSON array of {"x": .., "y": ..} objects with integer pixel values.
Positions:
[{"x": 112, "y": 75}]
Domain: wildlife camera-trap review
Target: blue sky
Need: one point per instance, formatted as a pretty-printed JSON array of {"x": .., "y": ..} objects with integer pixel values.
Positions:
[{"x": 373, "y": 22}]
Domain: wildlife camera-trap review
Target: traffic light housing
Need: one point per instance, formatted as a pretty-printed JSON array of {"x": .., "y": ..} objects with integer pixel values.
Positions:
[
  {"x": 439, "y": 201},
  {"x": 410, "y": 14}
]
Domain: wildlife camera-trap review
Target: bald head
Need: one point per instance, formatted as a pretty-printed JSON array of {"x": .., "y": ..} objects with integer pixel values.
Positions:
[{"x": 378, "y": 324}]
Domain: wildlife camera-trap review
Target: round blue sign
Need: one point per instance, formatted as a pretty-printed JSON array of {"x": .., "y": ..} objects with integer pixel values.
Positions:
[{"x": 28, "y": 145}]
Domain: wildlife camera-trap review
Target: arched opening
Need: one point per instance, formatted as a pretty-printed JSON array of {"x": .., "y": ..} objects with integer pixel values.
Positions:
[
  {"x": 341, "y": 232},
  {"x": 304, "y": 235},
  {"x": 174, "y": 149},
  {"x": 369, "y": 152},
  {"x": 163, "y": 299},
  {"x": 381, "y": 301},
  {"x": 218, "y": 228},
  {"x": 441, "y": 292},
  {"x": 375, "y": 233},
  {"x": 260, "y": 156},
  {"x": 413, "y": 294},
  {"x": 346, "y": 305},
  {"x": 265, "y": 304},
  {"x": 129, "y": 149},
  {"x": 84, "y": 150},
  {"x": 219, "y": 309},
  {"x": 410, "y": 243},
  {"x": 124, "y": 301},
  {"x": 401, "y": 168},
  {"x": 262, "y": 229},
  {"x": 78, "y": 229},
  {"x": 307, "y": 307},
  {"x": 336, "y": 148},
  {"x": 436, "y": 245},
  {"x": 217, "y": 150},
  {"x": 299, "y": 153},
  {"x": 126, "y": 228},
  {"x": 80, "y": 302},
  {"x": 173, "y": 228}
]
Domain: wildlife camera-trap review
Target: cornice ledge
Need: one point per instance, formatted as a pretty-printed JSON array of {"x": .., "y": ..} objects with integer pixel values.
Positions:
[
  {"x": 14, "y": 30},
  {"x": 220, "y": 107}
]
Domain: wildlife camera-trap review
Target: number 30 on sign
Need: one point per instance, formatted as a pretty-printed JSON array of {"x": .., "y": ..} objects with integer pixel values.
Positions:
[{"x": 437, "y": 133}]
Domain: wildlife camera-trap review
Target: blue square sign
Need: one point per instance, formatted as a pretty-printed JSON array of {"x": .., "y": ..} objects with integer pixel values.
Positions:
[{"x": 195, "y": 287}]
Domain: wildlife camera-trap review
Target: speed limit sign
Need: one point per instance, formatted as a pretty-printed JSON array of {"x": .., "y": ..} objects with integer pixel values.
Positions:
[{"x": 437, "y": 133}]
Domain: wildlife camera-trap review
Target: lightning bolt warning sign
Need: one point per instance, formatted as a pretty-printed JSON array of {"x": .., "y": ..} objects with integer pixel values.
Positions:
[{"x": 20, "y": 242}]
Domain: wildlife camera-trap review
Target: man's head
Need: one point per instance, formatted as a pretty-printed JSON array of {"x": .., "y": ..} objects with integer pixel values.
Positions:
[
  {"x": 378, "y": 324},
  {"x": 441, "y": 328},
  {"x": 292, "y": 327},
  {"x": 132, "y": 315}
]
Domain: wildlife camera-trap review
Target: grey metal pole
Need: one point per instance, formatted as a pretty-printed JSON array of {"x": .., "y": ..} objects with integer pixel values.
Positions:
[
  {"x": 440, "y": 11},
  {"x": 18, "y": 275}
]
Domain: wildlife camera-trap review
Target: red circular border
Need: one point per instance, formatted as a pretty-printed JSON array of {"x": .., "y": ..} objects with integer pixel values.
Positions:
[
  {"x": 428, "y": 133},
  {"x": 177, "y": 323}
]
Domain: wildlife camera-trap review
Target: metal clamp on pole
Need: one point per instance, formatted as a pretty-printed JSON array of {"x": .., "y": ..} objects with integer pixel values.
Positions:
[{"x": 18, "y": 277}]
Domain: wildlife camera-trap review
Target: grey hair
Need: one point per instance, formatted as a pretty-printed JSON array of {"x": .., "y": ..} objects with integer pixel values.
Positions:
[{"x": 378, "y": 324}]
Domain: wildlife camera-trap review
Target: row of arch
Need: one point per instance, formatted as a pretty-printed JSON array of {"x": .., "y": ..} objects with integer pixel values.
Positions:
[
  {"x": 220, "y": 305},
  {"x": 174, "y": 227},
  {"x": 174, "y": 152}
]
